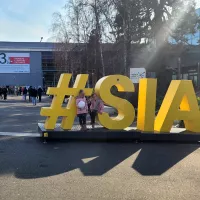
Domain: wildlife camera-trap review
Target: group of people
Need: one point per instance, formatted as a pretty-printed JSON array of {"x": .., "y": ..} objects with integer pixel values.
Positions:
[
  {"x": 32, "y": 92},
  {"x": 94, "y": 105},
  {"x": 3, "y": 93}
]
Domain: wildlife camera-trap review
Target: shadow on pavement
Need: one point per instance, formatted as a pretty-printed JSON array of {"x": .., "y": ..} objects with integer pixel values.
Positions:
[
  {"x": 29, "y": 158},
  {"x": 158, "y": 158}
]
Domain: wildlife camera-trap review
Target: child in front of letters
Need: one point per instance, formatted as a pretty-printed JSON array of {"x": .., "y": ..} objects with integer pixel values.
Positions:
[
  {"x": 96, "y": 107},
  {"x": 82, "y": 109}
]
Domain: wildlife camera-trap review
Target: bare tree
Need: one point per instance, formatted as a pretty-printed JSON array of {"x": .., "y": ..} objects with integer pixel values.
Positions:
[{"x": 128, "y": 24}]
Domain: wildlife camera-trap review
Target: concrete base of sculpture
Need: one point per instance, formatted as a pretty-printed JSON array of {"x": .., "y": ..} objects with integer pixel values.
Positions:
[{"x": 130, "y": 134}]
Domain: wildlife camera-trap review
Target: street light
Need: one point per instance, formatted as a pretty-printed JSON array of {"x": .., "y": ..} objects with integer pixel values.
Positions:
[
  {"x": 198, "y": 74},
  {"x": 179, "y": 69}
]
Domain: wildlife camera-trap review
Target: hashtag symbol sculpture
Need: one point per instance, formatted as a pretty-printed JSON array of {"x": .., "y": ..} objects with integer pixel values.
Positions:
[{"x": 69, "y": 112}]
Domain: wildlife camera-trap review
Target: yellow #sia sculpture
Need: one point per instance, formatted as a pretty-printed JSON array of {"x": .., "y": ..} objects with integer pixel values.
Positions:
[
  {"x": 69, "y": 112},
  {"x": 126, "y": 112},
  {"x": 180, "y": 103}
]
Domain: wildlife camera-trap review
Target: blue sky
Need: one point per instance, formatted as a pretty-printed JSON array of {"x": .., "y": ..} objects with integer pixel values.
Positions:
[{"x": 28, "y": 20}]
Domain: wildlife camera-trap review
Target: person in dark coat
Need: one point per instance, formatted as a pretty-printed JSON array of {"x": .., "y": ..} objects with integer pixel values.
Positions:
[
  {"x": 20, "y": 91},
  {"x": 30, "y": 93},
  {"x": 1, "y": 92},
  {"x": 34, "y": 95},
  {"x": 25, "y": 91},
  {"x": 5, "y": 92},
  {"x": 39, "y": 92}
]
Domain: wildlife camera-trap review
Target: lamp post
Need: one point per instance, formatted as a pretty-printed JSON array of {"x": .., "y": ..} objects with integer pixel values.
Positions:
[
  {"x": 198, "y": 75},
  {"x": 179, "y": 69}
]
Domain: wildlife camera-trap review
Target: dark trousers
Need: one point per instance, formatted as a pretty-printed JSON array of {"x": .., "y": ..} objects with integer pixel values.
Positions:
[
  {"x": 82, "y": 119},
  {"x": 40, "y": 97},
  {"x": 4, "y": 96},
  {"x": 29, "y": 98},
  {"x": 93, "y": 115}
]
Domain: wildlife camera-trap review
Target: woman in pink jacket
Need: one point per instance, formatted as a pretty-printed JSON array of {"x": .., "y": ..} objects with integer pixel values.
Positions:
[
  {"x": 96, "y": 107},
  {"x": 82, "y": 109}
]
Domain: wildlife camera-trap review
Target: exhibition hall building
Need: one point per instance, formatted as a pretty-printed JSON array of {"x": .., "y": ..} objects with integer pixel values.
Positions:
[{"x": 27, "y": 64}]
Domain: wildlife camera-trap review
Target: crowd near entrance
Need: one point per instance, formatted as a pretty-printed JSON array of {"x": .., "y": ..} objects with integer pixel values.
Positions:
[{"x": 27, "y": 93}]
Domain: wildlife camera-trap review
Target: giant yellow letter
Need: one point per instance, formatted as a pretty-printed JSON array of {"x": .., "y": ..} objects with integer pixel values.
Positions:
[
  {"x": 126, "y": 112},
  {"x": 146, "y": 104},
  {"x": 179, "y": 95},
  {"x": 56, "y": 110}
]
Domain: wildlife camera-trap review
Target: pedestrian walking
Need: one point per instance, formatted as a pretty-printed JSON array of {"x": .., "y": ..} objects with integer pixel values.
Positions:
[
  {"x": 25, "y": 91},
  {"x": 1, "y": 93},
  {"x": 20, "y": 91},
  {"x": 34, "y": 95},
  {"x": 5, "y": 92},
  {"x": 39, "y": 92},
  {"x": 16, "y": 91},
  {"x": 82, "y": 109},
  {"x": 96, "y": 107},
  {"x": 30, "y": 93}
]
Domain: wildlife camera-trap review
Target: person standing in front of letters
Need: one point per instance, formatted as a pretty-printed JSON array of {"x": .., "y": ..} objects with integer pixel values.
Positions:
[
  {"x": 82, "y": 109},
  {"x": 96, "y": 107}
]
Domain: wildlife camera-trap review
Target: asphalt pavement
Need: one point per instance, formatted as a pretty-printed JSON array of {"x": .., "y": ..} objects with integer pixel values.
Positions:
[
  {"x": 16, "y": 115},
  {"x": 32, "y": 169},
  {"x": 19, "y": 116}
]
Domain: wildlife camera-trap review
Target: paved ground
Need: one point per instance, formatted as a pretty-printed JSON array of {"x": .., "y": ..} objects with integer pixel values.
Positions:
[
  {"x": 31, "y": 169},
  {"x": 18, "y": 116}
]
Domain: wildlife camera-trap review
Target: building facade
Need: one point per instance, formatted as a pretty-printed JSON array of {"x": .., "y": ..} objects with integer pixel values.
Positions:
[
  {"x": 185, "y": 65},
  {"x": 35, "y": 64},
  {"x": 27, "y": 64}
]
